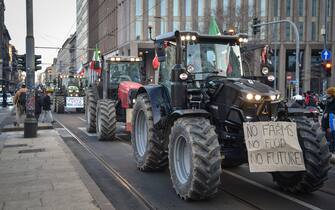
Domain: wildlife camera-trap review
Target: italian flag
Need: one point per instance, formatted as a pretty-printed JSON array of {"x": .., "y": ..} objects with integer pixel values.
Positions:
[{"x": 95, "y": 64}]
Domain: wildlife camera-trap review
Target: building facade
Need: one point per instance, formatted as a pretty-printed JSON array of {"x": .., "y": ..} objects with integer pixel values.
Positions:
[
  {"x": 66, "y": 57},
  {"x": 82, "y": 57},
  {"x": 121, "y": 27}
]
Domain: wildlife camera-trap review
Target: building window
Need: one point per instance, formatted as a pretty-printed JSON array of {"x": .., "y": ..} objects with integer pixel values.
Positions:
[
  {"x": 163, "y": 26},
  {"x": 151, "y": 8},
  {"x": 225, "y": 7},
  {"x": 175, "y": 7},
  {"x": 314, "y": 8},
  {"x": 275, "y": 8},
  {"x": 262, "y": 8},
  {"x": 250, "y": 7},
  {"x": 313, "y": 31},
  {"x": 288, "y": 32},
  {"x": 301, "y": 7},
  {"x": 188, "y": 26},
  {"x": 164, "y": 8},
  {"x": 200, "y": 7},
  {"x": 176, "y": 25},
  {"x": 238, "y": 8},
  {"x": 329, "y": 6},
  {"x": 288, "y": 8},
  {"x": 188, "y": 8},
  {"x": 301, "y": 30},
  {"x": 139, "y": 9},
  {"x": 213, "y": 7},
  {"x": 138, "y": 29}
]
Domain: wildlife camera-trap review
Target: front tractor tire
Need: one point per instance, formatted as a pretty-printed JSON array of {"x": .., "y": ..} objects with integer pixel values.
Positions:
[
  {"x": 194, "y": 158},
  {"x": 105, "y": 120},
  {"x": 149, "y": 151},
  {"x": 60, "y": 104},
  {"x": 316, "y": 157},
  {"x": 90, "y": 111}
]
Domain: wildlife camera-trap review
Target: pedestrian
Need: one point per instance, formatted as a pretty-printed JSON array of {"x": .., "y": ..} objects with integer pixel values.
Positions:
[
  {"x": 47, "y": 108},
  {"x": 38, "y": 103},
  {"x": 20, "y": 104},
  {"x": 328, "y": 119},
  {"x": 4, "y": 98}
]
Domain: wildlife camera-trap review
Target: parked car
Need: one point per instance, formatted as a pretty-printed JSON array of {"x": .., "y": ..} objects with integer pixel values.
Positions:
[{"x": 9, "y": 99}]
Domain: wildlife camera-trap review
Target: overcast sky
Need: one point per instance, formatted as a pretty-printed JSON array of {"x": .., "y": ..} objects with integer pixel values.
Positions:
[{"x": 54, "y": 21}]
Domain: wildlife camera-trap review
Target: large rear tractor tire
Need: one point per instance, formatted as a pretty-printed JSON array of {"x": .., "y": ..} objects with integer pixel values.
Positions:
[
  {"x": 90, "y": 111},
  {"x": 149, "y": 151},
  {"x": 105, "y": 120},
  {"x": 194, "y": 158},
  {"x": 316, "y": 158},
  {"x": 60, "y": 104}
]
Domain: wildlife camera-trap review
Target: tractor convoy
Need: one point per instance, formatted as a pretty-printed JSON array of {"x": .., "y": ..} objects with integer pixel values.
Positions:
[{"x": 193, "y": 118}]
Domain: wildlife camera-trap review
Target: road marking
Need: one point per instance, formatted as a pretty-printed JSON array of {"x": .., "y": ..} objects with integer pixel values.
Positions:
[
  {"x": 310, "y": 206},
  {"x": 83, "y": 129},
  {"x": 82, "y": 119}
]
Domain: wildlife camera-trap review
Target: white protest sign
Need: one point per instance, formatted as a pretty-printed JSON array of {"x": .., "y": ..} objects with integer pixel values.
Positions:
[
  {"x": 74, "y": 102},
  {"x": 273, "y": 146}
]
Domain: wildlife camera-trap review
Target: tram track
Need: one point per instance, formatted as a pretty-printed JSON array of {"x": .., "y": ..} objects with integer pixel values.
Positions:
[{"x": 113, "y": 172}]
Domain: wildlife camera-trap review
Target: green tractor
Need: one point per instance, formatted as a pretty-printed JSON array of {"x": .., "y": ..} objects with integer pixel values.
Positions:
[
  {"x": 203, "y": 112},
  {"x": 69, "y": 95}
]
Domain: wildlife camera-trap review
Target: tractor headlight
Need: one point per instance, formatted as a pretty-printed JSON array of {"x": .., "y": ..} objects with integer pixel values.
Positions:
[
  {"x": 278, "y": 96},
  {"x": 188, "y": 37},
  {"x": 77, "y": 94},
  {"x": 193, "y": 38},
  {"x": 258, "y": 97},
  {"x": 250, "y": 96},
  {"x": 265, "y": 70},
  {"x": 134, "y": 100},
  {"x": 273, "y": 97},
  {"x": 182, "y": 38},
  {"x": 183, "y": 76}
]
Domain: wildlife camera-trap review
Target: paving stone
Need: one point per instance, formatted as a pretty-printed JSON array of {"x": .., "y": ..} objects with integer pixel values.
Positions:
[{"x": 23, "y": 204}]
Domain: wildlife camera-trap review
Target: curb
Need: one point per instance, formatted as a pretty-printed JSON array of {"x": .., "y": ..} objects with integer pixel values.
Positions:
[
  {"x": 332, "y": 159},
  {"x": 41, "y": 126}
]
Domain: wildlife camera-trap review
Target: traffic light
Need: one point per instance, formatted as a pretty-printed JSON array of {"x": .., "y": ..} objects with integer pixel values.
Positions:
[
  {"x": 38, "y": 62},
  {"x": 328, "y": 68},
  {"x": 21, "y": 62},
  {"x": 256, "y": 29}
]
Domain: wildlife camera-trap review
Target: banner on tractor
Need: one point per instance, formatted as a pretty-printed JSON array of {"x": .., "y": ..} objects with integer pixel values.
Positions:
[
  {"x": 273, "y": 146},
  {"x": 74, "y": 102}
]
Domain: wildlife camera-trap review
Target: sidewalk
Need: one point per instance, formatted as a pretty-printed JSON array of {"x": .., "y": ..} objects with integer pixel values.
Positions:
[{"x": 42, "y": 173}]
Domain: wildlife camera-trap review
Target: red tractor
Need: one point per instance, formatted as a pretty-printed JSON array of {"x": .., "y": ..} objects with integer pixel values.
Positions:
[{"x": 110, "y": 98}]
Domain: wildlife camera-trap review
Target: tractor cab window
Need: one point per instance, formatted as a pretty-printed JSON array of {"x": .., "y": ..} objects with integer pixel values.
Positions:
[
  {"x": 120, "y": 72},
  {"x": 166, "y": 67},
  {"x": 218, "y": 59}
]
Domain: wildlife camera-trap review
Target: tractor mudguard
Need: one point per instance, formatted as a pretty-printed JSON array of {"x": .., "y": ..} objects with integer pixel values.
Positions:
[
  {"x": 187, "y": 113},
  {"x": 159, "y": 99}
]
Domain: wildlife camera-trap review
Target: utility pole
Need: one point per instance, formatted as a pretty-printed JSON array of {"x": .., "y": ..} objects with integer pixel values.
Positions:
[
  {"x": 324, "y": 34},
  {"x": 30, "y": 123}
]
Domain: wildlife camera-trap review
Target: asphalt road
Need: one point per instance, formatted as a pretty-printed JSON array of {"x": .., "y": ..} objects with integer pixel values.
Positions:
[{"x": 239, "y": 188}]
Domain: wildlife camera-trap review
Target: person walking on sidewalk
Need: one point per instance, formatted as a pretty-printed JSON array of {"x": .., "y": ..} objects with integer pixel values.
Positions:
[
  {"x": 4, "y": 98},
  {"x": 20, "y": 104},
  {"x": 328, "y": 119},
  {"x": 46, "y": 108},
  {"x": 38, "y": 103}
]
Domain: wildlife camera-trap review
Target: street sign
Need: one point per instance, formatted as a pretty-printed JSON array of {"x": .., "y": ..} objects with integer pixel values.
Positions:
[{"x": 326, "y": 55}]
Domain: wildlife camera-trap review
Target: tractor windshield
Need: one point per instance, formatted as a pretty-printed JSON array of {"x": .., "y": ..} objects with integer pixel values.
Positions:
[
  {"x": 219, "y": 59},
  {"x": 124, "y": 72}
]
